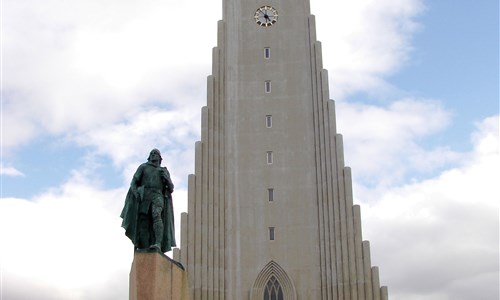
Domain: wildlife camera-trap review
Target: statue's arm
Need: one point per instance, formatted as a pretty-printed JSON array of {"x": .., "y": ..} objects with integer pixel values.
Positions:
[
  {"x": 136, "y": 180},
  {"x": 166, "y": 178}
]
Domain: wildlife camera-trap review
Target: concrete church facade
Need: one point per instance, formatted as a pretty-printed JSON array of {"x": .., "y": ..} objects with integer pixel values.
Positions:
[{"x": 270, "y": 212}]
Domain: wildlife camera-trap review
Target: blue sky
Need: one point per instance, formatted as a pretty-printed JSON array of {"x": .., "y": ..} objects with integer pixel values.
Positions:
[
  {"x": 89, "y": 87},
  {"x": 456, "y": 59}
]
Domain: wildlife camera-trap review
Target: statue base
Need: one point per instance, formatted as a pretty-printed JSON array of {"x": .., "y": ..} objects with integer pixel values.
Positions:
[{"x": 155, "y": 276}]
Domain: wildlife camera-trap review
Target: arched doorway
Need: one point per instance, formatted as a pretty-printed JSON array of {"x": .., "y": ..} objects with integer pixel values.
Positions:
[{"x": 273, "y": 283}]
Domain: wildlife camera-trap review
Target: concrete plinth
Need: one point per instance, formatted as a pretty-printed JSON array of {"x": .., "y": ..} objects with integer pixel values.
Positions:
[{"x": 155, "y": 276}]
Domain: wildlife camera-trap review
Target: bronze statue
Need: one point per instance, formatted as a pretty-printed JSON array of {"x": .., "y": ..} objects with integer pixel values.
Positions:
[{"x": 148, "y": 216}]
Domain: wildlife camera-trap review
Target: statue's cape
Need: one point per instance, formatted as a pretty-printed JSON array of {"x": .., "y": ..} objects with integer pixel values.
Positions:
[
  {"x": 129, "y": 216},
  {"x": 130, "y": 213},
  {"x": 168, "y": 240}
]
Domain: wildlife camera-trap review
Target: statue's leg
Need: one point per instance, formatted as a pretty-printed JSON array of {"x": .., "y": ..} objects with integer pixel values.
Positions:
[
  {"x": 142, "y": 231},
  {"x": 157, "y": 226}
]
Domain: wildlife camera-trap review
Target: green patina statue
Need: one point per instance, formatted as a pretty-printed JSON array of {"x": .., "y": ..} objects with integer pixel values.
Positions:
[{"x": 148, "y": 216}]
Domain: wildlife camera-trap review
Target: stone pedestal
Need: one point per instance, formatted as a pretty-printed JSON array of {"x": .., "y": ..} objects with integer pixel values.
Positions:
[{"x": 155, "y": 276}]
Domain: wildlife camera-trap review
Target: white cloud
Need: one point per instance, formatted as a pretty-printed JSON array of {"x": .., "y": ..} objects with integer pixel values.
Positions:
[
  {"x": 10, "y": 171},
  {"x": 128, "y": 144},
  {"x": 64, "y": 243},
  {"x": 83, "y": 65},
  {"x": 381, "y": 143},
  {"x": 439, "y": 237},
  {"x": 365, "y": 41}
]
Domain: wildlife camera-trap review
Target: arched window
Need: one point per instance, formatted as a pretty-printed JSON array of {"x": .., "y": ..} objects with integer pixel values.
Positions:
[{"x": 273, "y": 290}]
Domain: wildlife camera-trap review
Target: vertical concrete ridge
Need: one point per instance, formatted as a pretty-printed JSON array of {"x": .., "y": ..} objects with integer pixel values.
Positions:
[
  {"x": 342, "y": 221},
  {"x": 375, "y": 283},
  {"x": 384, "y": 293},
  {"x": 215, "y": 181},
  {"x": 334, "y": 213},
  {"x": 209, "y": 191},
  {"x": 336, "y": 232},
  {"x": 358, "y": 252},
  {"x": 333, "y": 119},
  {"x": 197, "y": 217},
  {"x": 184, "y": 238},
  {"x": 330, "y": 184},
  {"x": 221, "y": 186},
  {"x": 204, "y": 200},
  {"x": 367, "y": 264},
  {"x": 350, "y": 233},
  {"x": 190, "y": 259}
]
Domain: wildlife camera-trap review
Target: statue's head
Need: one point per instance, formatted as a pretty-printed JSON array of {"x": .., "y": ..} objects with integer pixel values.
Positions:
[{"x": 155, "y": 156}]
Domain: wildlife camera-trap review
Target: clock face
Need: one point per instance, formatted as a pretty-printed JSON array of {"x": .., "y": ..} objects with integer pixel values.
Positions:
[{"x": 266, "y": 16}]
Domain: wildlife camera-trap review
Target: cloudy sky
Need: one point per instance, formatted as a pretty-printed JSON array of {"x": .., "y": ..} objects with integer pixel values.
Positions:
[{"x": 88, "y": 87}]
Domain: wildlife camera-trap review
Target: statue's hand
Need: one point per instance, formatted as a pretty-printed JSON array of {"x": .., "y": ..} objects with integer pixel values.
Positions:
[{"x": 136, "y": 195}]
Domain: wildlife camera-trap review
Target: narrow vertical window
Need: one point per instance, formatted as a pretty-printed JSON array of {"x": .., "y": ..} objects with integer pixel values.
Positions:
[
  {"x": 269, "y": 121},
  {"x": 271, "y": 233},
  {"x": 269, "y": 155},
  {"x": 270, "y": 194},
  {"x": 267, "y": 86},
  {"x": 267, "y": 52}
]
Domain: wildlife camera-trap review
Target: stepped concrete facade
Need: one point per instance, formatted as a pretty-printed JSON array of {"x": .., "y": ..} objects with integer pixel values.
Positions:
[{"x": 270, "y": 212}]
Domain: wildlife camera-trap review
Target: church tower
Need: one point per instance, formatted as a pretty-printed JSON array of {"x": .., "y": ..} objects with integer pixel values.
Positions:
[{"x": 270, "y": 212}]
